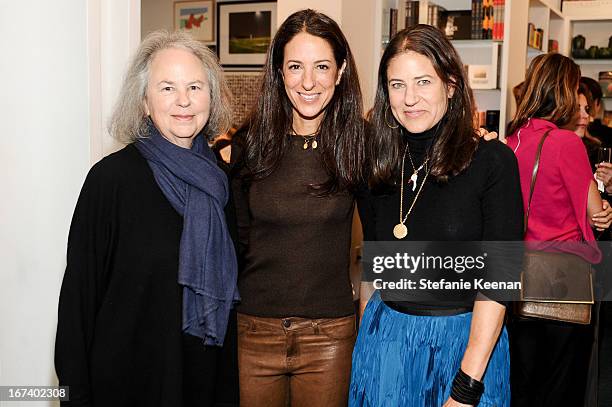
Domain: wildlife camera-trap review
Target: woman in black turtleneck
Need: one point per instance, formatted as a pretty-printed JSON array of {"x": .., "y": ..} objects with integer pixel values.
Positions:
[{"x": 411, "y": 353}]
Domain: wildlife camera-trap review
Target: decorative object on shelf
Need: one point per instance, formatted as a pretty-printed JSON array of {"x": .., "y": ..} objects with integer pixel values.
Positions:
[
  {"x": 553, "y": 46},
  {"x": 593, "y": 52},
  {"x": 457, "y": 24},
  {"x": 604, "y": 53},
  {"x": 535, "y": 36},
  {"x": 244, "y": 32},
  {"x": 482, "y": 77},
  {"x": 605, "y": 81},
  {"x": 578, "y": 42},
  {"x": 492, "y": 120},
  {"x": 578, "y": 50},
  {"x": 196, "y": 18}
]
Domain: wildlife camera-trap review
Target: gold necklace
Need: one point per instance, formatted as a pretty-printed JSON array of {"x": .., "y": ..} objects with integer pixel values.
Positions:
[
  {"x": 308, "y": 138},
  {"x": 415, "y": 171},
  {"x": 400, "y": 230}
]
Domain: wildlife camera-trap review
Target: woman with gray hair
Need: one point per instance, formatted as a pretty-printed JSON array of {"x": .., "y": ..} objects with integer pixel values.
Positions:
[{"x": 151, "y": 267}]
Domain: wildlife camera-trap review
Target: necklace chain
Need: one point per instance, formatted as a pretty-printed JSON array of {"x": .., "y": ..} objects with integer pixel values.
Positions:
[
  {"x": 414, "y": 169},
  {"x": 309, "y": 139},
  {"x": 402, "y": 219}
]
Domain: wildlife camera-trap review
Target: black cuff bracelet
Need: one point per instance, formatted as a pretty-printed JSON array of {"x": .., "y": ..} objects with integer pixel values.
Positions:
[{"x": 465, "y": 389}]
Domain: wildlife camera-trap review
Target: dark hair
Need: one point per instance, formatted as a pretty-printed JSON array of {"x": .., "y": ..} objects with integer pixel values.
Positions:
[
  {"x": 594, "y": 88},
  {"x": 456, "y": 141},
  {"x": 584, "y": 90},
  {"x": 549, "y": 92},
  {"x": 342, "y": 129}
]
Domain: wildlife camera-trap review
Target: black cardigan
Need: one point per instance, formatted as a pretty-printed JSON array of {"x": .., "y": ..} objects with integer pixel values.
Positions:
[{"x": 119, "y": 337}]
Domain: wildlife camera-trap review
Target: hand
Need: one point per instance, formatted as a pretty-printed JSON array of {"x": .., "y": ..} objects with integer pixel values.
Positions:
[
  {"x": 488, "y": 136},
  {"x": 604, "y": 174},
  {"x": 452, "y": 403},
  {"x": 603, "y": 219}
]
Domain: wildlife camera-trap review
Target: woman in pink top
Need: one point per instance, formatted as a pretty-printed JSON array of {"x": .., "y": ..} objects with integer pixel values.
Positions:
[{"x": 549, "y": 360}]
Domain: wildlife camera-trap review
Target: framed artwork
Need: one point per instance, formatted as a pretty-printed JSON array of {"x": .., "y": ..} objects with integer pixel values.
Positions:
[
  {"x": 244, "y": 32},
  {"x": 196, "y": 18}
]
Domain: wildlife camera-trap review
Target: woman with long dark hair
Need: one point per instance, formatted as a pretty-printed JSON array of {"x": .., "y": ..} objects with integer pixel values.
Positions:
[
  {"x": 298, "y": 159},
  {"x": 429, "y": 166},
  {"x": 550, "y": 359}
]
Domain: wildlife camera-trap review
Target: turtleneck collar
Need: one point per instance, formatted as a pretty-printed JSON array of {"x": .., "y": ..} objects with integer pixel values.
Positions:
[{"x": 420, "y": 143}]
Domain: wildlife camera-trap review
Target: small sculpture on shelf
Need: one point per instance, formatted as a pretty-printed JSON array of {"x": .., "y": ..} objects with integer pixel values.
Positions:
[
  {"x": 578, "y": 50},
  {"x": 593, "y": 52}
]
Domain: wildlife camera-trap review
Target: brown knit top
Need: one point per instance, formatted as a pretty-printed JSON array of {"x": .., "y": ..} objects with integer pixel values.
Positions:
[{"x": 296, "y": 245}]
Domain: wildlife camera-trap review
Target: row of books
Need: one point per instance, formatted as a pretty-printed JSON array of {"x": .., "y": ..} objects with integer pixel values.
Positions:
[
  {"x": 488, "y": 19},
  {"x": 484, "y": 21}
]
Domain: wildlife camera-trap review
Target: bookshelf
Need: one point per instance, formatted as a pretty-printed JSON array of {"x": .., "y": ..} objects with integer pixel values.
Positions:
[
  {"x": 512, "y": 55},
  {"x": 593, "y": 20}
]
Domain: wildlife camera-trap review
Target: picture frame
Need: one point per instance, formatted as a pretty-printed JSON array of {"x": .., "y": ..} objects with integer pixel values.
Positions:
[
  {"x": 197, "y": 18},
  {"x": 244, "y": 32}
]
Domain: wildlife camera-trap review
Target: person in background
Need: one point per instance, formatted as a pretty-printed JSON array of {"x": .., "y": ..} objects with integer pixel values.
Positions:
[
  {"x": 550, "y": 359},
  {"x": 297, "y": 161},
  {"x": 591, "y": 143},
  {"x": 596, "y": 127},
  {"x": 428, "y": 165},
  {"x": 151, "y": 266}
]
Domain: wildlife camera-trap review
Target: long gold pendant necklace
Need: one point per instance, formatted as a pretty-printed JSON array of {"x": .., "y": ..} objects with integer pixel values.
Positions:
[{"x": 400, "y": 230}]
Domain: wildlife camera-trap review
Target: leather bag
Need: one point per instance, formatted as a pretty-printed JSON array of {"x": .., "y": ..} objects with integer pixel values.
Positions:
[{"x": 555, "y": 286}]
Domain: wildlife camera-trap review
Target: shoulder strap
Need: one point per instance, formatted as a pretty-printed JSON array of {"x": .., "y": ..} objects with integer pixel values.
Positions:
[{"x": 534, "y": 175}]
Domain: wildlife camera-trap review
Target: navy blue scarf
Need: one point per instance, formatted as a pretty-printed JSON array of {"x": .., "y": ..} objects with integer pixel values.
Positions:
[{"x": 198, "y": 190}]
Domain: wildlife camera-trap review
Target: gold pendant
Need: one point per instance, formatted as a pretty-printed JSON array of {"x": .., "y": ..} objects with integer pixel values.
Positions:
[
  {"x": 314, "y": 144},
  {"x": 305, "y": 145},
  {"x": 400, "y": 231}
]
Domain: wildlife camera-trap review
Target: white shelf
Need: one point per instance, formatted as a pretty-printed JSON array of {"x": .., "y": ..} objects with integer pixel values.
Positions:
[
  {"x": 534, "y": 52},
  {"x": 588, "y": 10},
  {"x": 594, "y": 62},
  {"x": 474, "y": 43}
]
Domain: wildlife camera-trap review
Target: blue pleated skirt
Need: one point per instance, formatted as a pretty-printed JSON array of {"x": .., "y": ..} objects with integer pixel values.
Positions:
[{"x": 408, "y": 360}]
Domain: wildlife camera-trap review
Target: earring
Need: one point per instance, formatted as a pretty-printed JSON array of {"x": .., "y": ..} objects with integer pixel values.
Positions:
[{"x": 387, "y": 122}]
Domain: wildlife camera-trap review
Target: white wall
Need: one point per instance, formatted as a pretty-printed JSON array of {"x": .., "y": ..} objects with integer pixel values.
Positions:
[
  {"x": 333, "y": 8},
  {"x": 44, "y": 155},
  {"x": 59, "y": 69}
]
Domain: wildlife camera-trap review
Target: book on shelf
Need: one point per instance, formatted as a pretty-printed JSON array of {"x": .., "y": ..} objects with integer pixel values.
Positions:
[
  {"x": 435, "y": 15},
  {"x": 477, "y": 19},
  {"x": 412, "y": 14},
  {"x": 487, "y": 21},
  {"x": 392, "y": 23},
  {"x": 498, "y": 19}
]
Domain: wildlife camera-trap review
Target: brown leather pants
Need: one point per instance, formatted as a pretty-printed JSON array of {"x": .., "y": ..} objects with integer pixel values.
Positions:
[{"x": 295, "y": 361}]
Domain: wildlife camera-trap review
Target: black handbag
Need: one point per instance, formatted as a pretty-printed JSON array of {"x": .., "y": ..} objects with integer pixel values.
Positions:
[{"x": 555, "y": 286}]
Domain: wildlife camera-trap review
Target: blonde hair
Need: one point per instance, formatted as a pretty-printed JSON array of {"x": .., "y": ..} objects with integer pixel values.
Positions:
[{"x": 129, "y": 119}]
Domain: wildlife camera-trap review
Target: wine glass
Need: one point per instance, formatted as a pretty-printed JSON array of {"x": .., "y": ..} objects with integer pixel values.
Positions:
[{"x": 604, "y": 155}]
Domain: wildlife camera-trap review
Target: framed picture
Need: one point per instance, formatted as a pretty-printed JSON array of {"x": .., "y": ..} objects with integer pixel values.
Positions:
[
  {"x": 196, "y": 18},
  {"x": 244, "y": 32}
]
